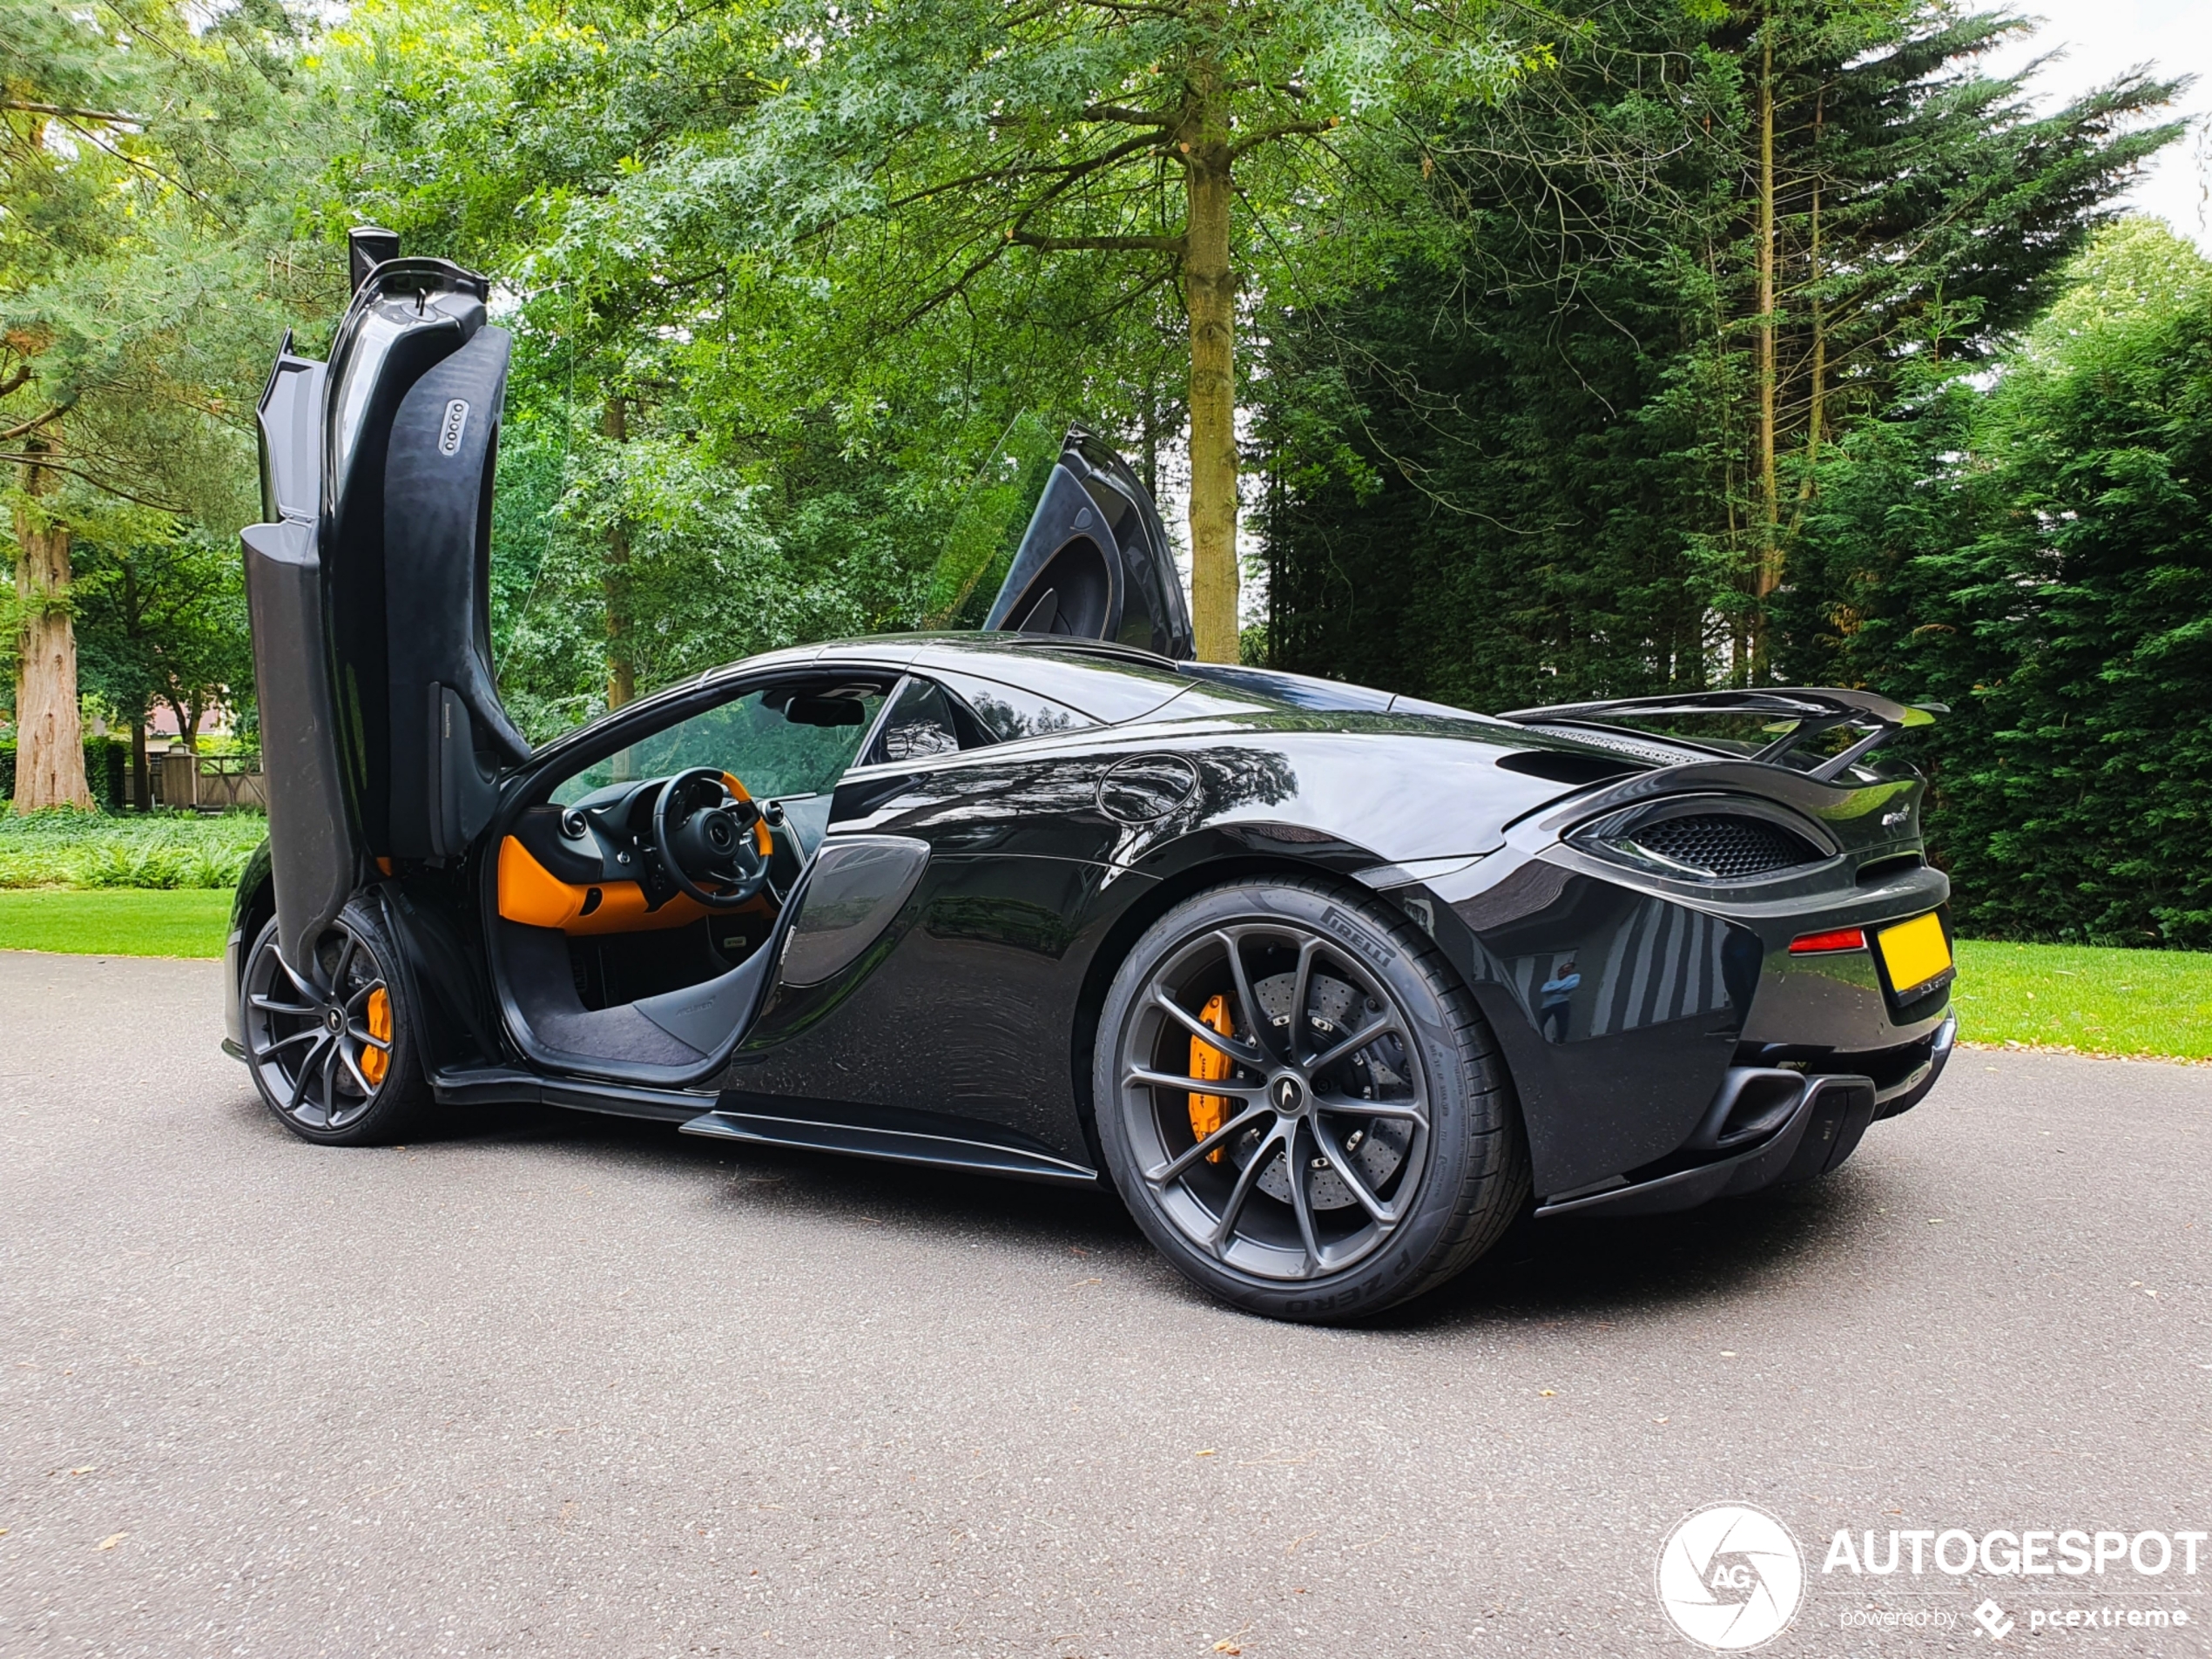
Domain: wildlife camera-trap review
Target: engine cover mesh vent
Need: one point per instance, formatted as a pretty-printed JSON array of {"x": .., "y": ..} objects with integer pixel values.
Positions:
[{"x": 1725, "y": 845}]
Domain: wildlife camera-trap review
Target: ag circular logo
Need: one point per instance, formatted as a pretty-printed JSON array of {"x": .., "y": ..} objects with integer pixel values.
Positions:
[{"x": 1730, "y": 1577}]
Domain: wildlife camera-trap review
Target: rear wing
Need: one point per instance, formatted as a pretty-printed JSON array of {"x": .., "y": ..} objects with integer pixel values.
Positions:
[{"x": 1813, "y": 710}]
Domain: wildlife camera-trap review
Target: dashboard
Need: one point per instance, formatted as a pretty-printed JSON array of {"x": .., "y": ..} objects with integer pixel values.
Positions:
[{"x": 591, "y": 866}]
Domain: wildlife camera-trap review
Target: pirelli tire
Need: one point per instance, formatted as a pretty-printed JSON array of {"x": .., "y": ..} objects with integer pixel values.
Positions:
[{"x": 1301, "y": 1104}]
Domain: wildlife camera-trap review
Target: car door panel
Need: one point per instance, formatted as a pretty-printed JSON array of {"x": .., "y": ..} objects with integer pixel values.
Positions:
[
  {"x": 1038, "y": 803},
  {"x": 962, "y": 1011},
  {"x": 1093, "y": 561},
  {"x": 854, "y": 887},
  {"x": 367, "y": 590},
  {"x": 314, "y": 860},
  {"x": 449, "y": 735}
]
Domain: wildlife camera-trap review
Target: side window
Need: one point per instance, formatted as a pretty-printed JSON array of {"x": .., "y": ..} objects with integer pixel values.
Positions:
[
  {"x": 778, "y": 742},
  {"x": 1011, "y": 713}
]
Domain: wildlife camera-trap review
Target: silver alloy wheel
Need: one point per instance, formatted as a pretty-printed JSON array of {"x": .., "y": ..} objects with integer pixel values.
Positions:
[
  {"x": 321, "y": 1061},
  {"x": 1326, "y": 1134}
]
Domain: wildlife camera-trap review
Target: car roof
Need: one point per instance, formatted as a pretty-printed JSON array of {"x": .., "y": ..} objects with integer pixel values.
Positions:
[
  {"x": 1115, "y": 683},
  {"x": 1111, "y": 683}
]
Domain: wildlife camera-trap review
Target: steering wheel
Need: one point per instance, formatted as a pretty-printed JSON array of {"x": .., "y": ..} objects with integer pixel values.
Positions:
[{"x": 707, "y": 831}]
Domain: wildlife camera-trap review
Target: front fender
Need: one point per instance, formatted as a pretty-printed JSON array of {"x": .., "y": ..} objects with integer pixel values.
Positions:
[{"x": 252, "y": 904}]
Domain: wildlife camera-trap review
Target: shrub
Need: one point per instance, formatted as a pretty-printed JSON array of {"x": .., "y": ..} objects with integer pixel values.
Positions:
[{"x": 69, "y": 849}]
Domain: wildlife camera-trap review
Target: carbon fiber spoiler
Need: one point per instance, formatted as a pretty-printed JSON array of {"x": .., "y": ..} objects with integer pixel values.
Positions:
[{"x": 1817, "y": 709}]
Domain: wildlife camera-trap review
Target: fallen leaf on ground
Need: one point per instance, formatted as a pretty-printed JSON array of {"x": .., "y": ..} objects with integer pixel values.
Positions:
[
  {"x": 1547, "y": 1393},
  {"x": 1207, "y": 1452},
  {"x": 112, "y": 1539}
]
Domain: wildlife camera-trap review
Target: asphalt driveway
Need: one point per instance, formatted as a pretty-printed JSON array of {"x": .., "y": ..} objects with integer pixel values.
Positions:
[{"x": 563, "y": 1385}]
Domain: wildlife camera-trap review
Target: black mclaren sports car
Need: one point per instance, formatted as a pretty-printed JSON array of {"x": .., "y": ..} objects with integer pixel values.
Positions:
[{"x": 1331, "y": 985}]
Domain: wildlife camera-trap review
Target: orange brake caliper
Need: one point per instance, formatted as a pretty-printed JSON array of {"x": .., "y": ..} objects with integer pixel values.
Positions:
[
  {"x": 376, "y": 1062},
  {"x": 1209, "y": 1112}
]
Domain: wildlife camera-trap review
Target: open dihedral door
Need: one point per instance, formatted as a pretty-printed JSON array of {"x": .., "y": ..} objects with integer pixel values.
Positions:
[
  {"x": 381, "y": 729},
  {"x": 1095, "y": 563}
]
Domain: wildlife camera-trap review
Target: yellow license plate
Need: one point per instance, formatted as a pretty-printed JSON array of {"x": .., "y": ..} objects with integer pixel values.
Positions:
[{"x": 1914, "y": 952}]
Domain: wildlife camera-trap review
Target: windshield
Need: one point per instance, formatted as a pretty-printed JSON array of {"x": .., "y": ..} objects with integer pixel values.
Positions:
[{"x": 774, "y": 742}]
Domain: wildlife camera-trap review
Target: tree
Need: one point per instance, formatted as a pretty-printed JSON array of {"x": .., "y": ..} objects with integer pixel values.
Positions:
[
  {"x": 775, "y": 473},
  {"x": 2036, "y": 555},
  {"x": 1194, "y": 142},
  {"x": 1559, "y": 457},
  {"x": 161, "y": 618},
  {"x": 149, "y": 157}
]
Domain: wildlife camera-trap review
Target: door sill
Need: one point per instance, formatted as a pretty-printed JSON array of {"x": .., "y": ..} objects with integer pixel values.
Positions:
[
  {"x": 768, "y": 1128},
  {"x": 504, "y": 1085}
]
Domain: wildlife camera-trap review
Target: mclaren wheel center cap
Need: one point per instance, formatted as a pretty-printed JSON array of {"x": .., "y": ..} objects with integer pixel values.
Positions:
[
  {"x": 1288, "y": 1096},
  {"x": 334, "y": 1019}
]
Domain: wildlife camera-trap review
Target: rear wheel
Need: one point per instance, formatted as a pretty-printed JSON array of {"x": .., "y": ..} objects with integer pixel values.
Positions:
[
  {"x": 330, "y": 1049},
  {"x": 1300, "y": 1103}
]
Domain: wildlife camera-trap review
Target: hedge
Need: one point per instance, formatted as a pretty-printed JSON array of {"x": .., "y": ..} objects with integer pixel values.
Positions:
[{"x": 107, "y": 762}]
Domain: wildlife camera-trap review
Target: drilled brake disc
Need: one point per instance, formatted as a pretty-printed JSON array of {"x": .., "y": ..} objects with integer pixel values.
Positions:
[{"x": 1377, "y": 1146}]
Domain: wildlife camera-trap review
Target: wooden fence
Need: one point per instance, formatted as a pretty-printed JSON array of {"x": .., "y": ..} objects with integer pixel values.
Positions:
[{"x": 208, "y": 783}]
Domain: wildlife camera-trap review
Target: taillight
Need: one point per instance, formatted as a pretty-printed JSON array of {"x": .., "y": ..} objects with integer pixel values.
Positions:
[{"x": 1834, "y": 939}]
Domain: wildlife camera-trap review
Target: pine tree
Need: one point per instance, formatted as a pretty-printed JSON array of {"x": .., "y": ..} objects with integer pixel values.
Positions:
[
  {"x": 1577, "y": 455},
  {"x": 150, "y": 161}
]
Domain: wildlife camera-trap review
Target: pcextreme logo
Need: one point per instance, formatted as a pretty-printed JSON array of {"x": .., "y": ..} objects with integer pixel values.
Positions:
[{"x": 1730, "y": 1577}]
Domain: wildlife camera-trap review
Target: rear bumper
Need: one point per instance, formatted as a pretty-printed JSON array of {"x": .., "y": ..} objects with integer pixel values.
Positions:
[{"x": 1767, "y": 1126}]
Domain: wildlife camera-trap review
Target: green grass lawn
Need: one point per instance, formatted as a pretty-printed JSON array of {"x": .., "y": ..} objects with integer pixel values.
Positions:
[
  {"x": 2079, "y": 996},
  {"x": 2086, "y": 997},
  {"x": 115, "y": 921}
]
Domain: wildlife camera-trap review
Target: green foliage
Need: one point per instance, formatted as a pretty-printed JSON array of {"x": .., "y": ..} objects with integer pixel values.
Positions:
[
  {"x": 69, "y": 849},
  {"x": 2039, "y": 556},
  {"x": 924, "y": 151},
  {"x": 104, "y": 758},
  {"x": 150, "y": 243},
  {"x": 1524, "y": 467},
  {"x": 695, "y": 463},
  {"x": 160, "y": 613}
]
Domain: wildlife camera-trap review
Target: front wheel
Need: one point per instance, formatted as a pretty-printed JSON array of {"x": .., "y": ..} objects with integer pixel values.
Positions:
[
  {"x": 1301, "y": 1105},
  {"x": 331, "y": 1052}
]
